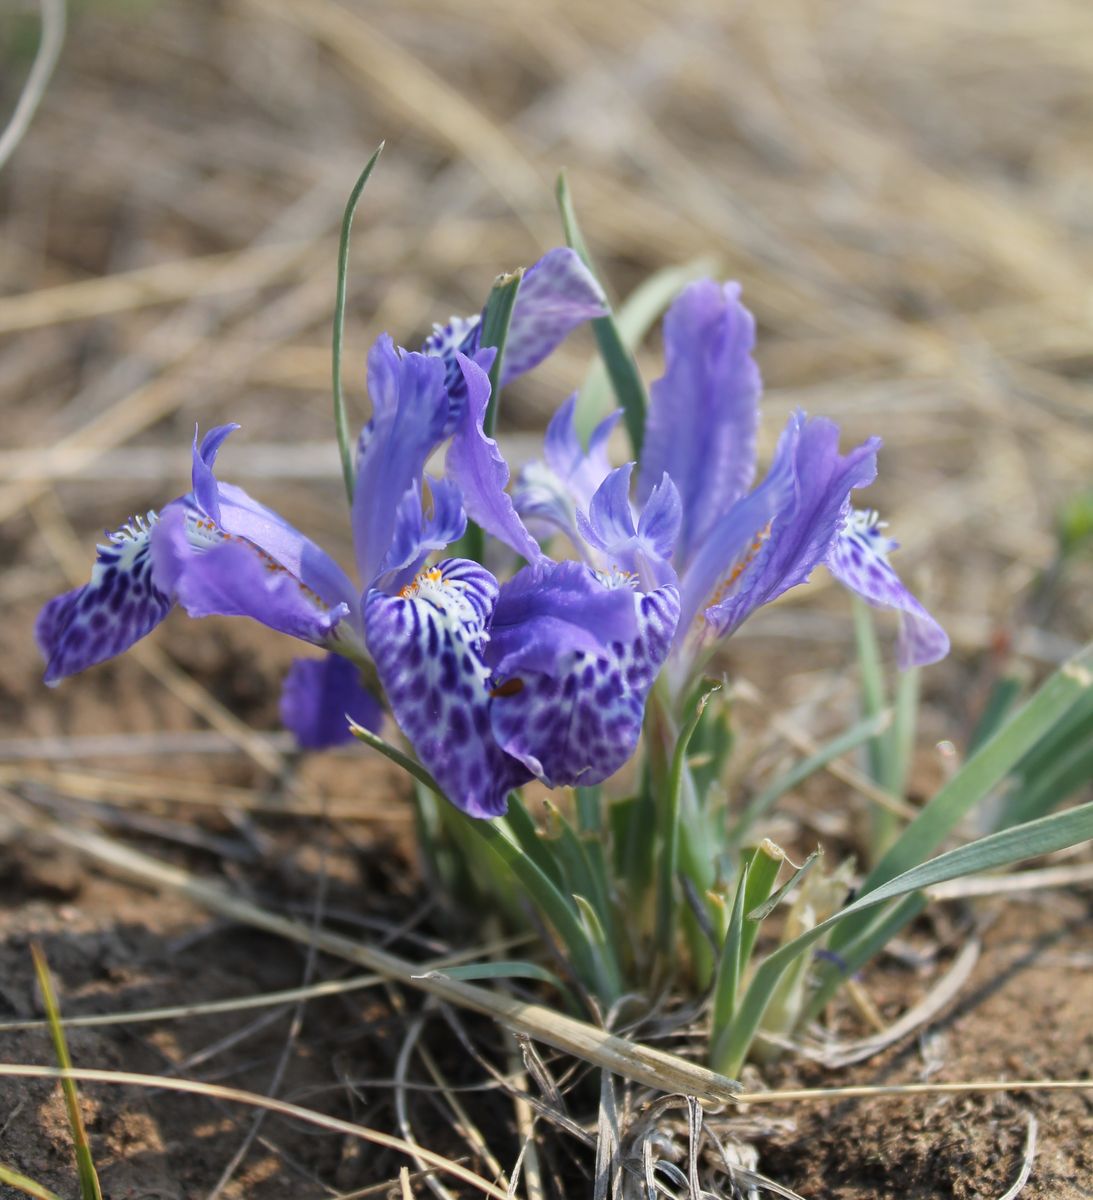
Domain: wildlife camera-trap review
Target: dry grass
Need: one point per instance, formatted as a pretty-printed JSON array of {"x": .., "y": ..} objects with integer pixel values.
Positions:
[{"x": 901, "y": 188}]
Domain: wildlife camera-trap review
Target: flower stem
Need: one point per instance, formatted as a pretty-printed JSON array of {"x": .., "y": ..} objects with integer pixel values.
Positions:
[{"x": 341, "y": 417}]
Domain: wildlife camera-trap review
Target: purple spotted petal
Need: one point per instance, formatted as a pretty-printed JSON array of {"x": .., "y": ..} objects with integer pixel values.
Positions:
[
  {"x": 319, "y": 694},
  {"x": 858, "y": 558},
  {"x": 704, "y": 412},
  {"x": 581, "y": 721},
  {"x": 409, "y": 413},
  {"x": 427, "y": 643},
  {"x": 417, "y": 534},
  {"x": 556, "y": 295},
  {"x": 125, "y": 599},
  {"x": 460, "y": 336},
  {"x": 800, "y": 536},
  {"x": 215, "y": 573},
  {"x": 644, "y": 549},
  {"x": 546, "y": 613},
  {"x": 475, "y": 464}
]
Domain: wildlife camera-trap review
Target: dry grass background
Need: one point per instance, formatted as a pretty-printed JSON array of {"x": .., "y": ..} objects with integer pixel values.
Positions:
[{"x": 902, "y": 188}]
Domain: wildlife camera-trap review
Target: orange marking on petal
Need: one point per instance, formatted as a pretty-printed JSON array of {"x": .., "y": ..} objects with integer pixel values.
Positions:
[{"x": 511, "y": 687}]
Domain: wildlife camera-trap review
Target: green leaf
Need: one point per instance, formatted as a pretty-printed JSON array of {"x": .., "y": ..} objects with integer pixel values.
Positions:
[
  {"x": 85, "y": 1166},
  {"x": 634, "y": 318},
  {"x": 410, "y": 765},
  {"x": 622, "y": 370},
  {"x": 990, "y": 764},
  {"x": 341, "y": 417},
  {"x": 669, "y": 824},
  {"x": 495, "y": 332},
  {"x": 470, "y": 972},
  {"x": 1045, "y": 836},
  {"x": 730, "y": 967},
  {"x": 22, "y": 1183}
]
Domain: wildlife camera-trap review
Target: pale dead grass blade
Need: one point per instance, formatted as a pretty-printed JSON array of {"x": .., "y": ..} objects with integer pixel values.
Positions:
[
  {"x": 645, "y": 1064},
  {"x": 194, "y": 1087},
  {"x": 408, "y": 87},
  {"x": 1011, "y": 1193}
]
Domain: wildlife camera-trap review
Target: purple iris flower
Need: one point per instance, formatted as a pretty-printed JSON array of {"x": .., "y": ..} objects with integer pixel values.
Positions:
[
  {"x": 544, "y": 676},
  {"x": 731, "y": 547}
]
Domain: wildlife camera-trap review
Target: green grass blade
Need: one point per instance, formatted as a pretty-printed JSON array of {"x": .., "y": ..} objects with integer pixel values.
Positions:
[
  {"x": 1052, "y": 703},
  {"x": 21, "y": 1183},
  {"x": 341, "y": 416},
  {"x": 764, "y": 863},
  {"x": 670, "y": 805},
  {"x": 622, "y": 370},
  {"x": 636, "y": 315},
  {"x": 495, "y": 332},
  {"x": 854, "y": 956},
  {"x": 558, "y": 908},
  {"x": 730, "y": 966},
  {"x": 409, "y": 765},
  {"x": 1045, "y": 836},
  {"x": 515, "y": 969},
  {"x": 531, "y": 841},
  {"x": 870, "y": 727},
  {"x": 85, "y": 1166}
]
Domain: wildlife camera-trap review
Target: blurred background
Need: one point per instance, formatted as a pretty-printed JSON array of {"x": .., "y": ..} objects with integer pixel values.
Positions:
[{"x": 902, "y": 189}]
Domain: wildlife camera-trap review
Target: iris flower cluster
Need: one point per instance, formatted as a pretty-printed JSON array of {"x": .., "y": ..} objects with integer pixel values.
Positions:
[{"x": 600, "y": 579}]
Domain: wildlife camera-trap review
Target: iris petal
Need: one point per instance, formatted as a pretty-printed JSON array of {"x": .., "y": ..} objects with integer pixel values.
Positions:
[
  {"x": 428, "y": 643},
  {"x": 126, "y": 599},
  {"x": 318, "y": 695},
  {"x": 858, "y": 558},
  {"x": 704, "y": 411},
  {"x": 579, "y": 722},
  {"x": 215, "y": 573}
]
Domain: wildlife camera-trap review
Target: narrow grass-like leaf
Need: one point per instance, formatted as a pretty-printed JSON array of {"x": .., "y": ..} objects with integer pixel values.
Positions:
[
  {"x": 532, "y": 842},
  {"x": 634, "y": 318},
  {"x": 495, "y": 332},
  {"x": 580, "y": 871},
  {"x": 763, "y": 862},
  {"x": 85, "y": 1165},
  {"x": 730, "y": 965},
  {"x": 514, "y": 969},
  {"x": 558, "y": 908},
  {"x": 341, "y": 416},
  {"x": 408, "y": 764},
  {"x": 870, "y": 727},
  {"x": 1004, "y": 695},
  {"x": 21, "y": 1183},
  {"x": 622, "y": 370},
  {"x": 770, "y": 903},
  {"x": 669, "y": 825},
  {"x": 1045, "y": 836},
  {"x": 851, "y": 959},
  {"x": 1052, "y": 703}
]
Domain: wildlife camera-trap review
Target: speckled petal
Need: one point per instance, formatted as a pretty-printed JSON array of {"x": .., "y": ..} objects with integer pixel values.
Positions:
[
  {"x": 427, "y": 643},
  {"x": 579, "y": 723},
  {"x": 858, "y": 558},
  {"x": 125, "y": 599}
]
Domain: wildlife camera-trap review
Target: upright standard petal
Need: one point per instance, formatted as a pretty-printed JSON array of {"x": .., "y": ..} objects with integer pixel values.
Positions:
[
  {"x": 554, "y": 491},
  {"x": 858, "y": 558},
  {"x": 642, "y": 550},
  {"x": 409, "y": 413},
  {"x": 428, "y": 644},
  {"x": 556, "y": 295},
  {"x": 126, "y": 598},
  {"x": 318, "y": 696},
  {"x": 474, "y": 462},
  {"x": 800, "y": 536},
  {"x": 704, "y": 412},
  {"x": 574, "y": 717},
  {"x": 417, "y": 533},
  {"x": 216, "y": 573}
]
